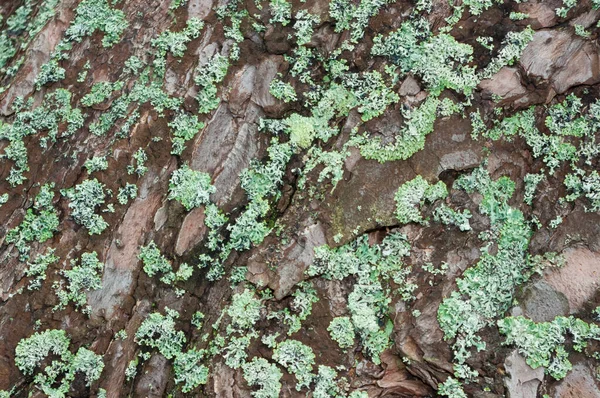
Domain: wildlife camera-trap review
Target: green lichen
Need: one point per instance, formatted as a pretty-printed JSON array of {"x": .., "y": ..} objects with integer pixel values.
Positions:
[
  {"x": 543, "y": 343},
  {"x": 184, "y": 127},
  {"x": 486, "y": 290},
  {"x": 412, "y": 195},
  {"x": 39, "y": 224},
  {"x": 439, "y": 60},
  {"x": 189, "y": 370},
  {"x": 419, "y": 122},
  {"x": 129, "y": 191},
  {"x": 100, "y": 92},
  {"x": 139, "y": 157},
  {"x": 342, "y": 331},
  {"x": 368, "y": 301},
  {"x": 158, "y": 331},
  {"x": 371, "y": 93},
  {"x": 189, "y": 187},
  {"x": 282, "y": 91},
  {"x": 260, "y": 372},
  {"x": 93, "y": 15},
  {"x": 296, "y": 358},
  {"x": 208, "y": 76},
  {"x": 83, "y": 276},
  {"x": 304, "y": 26},
  {"x": 281, "y": 11},
  {"x": 244, "y": 311},
  {"x": 36, "y": 269},
  {"x": 56, "y": 378},
  {"x": 176, "y": 42},
  {"x": 84, "y": 199},
  {"x": 155, "y": 262},
  {"x": 97, "y": 163},
  {"x": 54, "y": 116}
]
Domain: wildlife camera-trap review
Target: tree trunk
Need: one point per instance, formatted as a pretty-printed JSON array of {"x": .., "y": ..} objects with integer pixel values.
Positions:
[{"x": 244, "y": 142}]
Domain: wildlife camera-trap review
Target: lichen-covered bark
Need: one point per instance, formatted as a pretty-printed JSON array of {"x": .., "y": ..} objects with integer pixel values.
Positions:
[{"x": 294, "y": 175}]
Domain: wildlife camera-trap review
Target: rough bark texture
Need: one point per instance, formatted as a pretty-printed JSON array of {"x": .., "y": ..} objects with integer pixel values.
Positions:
[{"x": 556, "y": 62}]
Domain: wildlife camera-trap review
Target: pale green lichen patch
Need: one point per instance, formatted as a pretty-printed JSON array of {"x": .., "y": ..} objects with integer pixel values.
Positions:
[
  {"x": 189, "y": 187},
  {"x": 543, "y": 343},
  {"x": 56, "y": 378},
  {"x": 84, "y": 199},
  {"x": 412, "y": 195},
  {"x": 40, "y": 223},
  {"x": 84, "y": 275}
]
